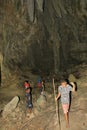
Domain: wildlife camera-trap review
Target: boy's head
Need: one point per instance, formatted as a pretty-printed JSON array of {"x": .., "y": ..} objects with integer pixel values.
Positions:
[
  {"x": 43, "y": 82},
  {"x": 63, "y": 82},
  {"x": 26, "y": 81},
  {"x": 28, "y": 90}
]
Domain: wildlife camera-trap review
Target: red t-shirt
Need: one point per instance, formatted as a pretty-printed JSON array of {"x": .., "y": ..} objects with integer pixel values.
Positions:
[
  {"x": 39, "y": 85},
  {"x": 26, "y": 85}
]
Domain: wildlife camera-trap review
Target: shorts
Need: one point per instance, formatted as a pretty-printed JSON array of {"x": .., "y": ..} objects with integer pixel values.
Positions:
[
  {"x": 65, "y": 108},
  {"x": 29, "y": 105}
]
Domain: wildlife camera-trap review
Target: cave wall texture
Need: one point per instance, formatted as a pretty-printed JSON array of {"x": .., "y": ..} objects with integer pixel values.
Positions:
[{"x": 43, "y": 35}]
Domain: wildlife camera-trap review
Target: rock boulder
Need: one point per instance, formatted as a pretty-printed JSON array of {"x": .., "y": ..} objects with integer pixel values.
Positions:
[{"x": 10, "y": 106}]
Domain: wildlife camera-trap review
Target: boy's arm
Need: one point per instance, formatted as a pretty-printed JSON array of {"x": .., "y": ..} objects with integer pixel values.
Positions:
[
  {"x": 58, "y": 95},
  {"x": 73, "y": 89}
]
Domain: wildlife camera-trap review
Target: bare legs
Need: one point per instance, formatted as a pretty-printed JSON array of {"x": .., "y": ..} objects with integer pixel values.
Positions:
[
  {"x": 66, "y": 114},
  {"x": 30, "y": 110},
  {"x": 67, "y": 119}
]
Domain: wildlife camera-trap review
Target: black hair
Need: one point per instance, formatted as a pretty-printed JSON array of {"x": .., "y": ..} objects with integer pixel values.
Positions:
[
  {"x": 63, "y": 80},
  {"x": 26, "y": 81}
]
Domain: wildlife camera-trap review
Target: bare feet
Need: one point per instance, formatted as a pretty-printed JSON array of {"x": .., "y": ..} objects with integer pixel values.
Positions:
[
  {"x": 30, "y": 111},
  {"x": 67, "y": 125}
]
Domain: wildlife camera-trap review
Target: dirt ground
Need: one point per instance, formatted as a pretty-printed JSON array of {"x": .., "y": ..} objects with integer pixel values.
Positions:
[{"x": 46, "y": 119}]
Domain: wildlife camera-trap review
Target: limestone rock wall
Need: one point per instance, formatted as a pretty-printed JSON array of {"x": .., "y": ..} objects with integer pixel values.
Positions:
[
  {"x": 67, "y": 26},
  {"x": 43, "y": 36}
]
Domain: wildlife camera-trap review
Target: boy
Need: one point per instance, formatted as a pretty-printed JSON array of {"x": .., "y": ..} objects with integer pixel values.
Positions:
[
  {"x": 42, "y": 86},
  {"x": 64, "y": 92}
]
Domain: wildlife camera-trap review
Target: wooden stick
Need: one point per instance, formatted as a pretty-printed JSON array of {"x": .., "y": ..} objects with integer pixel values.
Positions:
[
  {"x": 54, "y": 99},
  {"x": 57, "y": 105}
]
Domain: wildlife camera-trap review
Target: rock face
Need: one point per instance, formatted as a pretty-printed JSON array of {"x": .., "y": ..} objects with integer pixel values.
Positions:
[
  {"x": 55, "y": 41},
  {"x": 10, "y": 106},
  {"x": 41, "y": 101},
  {"x": 40, "y": 4},
  {"x": 30, "y": 7}
]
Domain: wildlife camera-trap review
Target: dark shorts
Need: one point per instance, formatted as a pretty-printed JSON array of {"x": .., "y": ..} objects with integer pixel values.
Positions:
[
  {"x": 29, "y": 105},
  {"x": 29, "y": 100}
]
